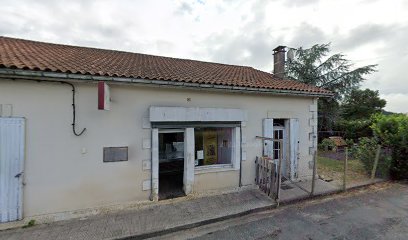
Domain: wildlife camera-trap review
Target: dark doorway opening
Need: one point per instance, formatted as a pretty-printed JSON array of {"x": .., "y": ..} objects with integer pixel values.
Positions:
[{"x": 171, "y": 164}]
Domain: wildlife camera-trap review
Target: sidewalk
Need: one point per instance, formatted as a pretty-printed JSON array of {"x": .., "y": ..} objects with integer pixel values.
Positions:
[
  {"x": 293, "y": 193},
  {"x": 149, "y": 221},
  {"x": 169, "y": 216}
]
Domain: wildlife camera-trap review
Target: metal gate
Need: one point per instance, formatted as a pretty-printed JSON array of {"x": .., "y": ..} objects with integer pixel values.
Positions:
[{"x": 12, "y": 135}]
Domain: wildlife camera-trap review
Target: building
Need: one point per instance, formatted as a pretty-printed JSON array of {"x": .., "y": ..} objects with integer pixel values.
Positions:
[{"x": 84, "y": 128}]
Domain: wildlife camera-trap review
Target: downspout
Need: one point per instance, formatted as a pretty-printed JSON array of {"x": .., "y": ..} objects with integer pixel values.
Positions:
[{"x": 240, "y": 154}]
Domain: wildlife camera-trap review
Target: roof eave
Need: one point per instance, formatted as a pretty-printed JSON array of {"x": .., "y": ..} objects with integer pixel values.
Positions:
[{"x": 44, "y": 76}]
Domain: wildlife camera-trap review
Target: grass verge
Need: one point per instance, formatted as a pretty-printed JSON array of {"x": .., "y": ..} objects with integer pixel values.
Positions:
[{"x": 334, "y": 169}]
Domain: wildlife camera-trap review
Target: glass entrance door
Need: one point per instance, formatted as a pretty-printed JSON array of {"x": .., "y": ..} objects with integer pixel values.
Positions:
[
  {"x": 278, "y": 147},
  {"x": 171, "y": 163}
]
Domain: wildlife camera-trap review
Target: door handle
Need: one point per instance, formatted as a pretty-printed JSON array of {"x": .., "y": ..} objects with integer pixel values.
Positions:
[{"x": 18, "y": 175}]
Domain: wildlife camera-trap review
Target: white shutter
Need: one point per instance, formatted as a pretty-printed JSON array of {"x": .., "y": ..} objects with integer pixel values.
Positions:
[
  {"x": 294, "y": 146},
  {"x": 12, "y": 135},
  {"x": 268, "y": 132}
]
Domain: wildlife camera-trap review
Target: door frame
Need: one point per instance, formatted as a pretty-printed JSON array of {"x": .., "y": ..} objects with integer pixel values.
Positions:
[
  {"x": 292, "y": 132},
  {"x": 175, "y": 130},
  {"x": 188, "y": 172}
]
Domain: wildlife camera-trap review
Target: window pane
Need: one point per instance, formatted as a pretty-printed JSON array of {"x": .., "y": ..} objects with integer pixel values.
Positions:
[
  {"x": 213, "y": 146},
  {"x": 210, "y": 146},
  {"x": 171, "y": 147}
]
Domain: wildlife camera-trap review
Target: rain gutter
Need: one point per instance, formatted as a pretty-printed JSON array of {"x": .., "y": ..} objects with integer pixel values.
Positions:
[{"x": 7, "y": 73}]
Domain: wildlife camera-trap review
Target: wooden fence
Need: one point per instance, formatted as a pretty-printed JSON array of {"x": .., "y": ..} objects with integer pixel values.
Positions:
[{"x": 268, "y": 176}]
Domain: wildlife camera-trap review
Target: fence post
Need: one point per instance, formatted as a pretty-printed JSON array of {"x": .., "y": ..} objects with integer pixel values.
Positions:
[
  {"x": 279, "y": 178},
  {"x": 314, "y": 172},
  {"x": 345, "y": 171},
  {"x": 257, "y": 171},
  {"x": 377, "y": 157},
  {"x": 268, "y": 182}
]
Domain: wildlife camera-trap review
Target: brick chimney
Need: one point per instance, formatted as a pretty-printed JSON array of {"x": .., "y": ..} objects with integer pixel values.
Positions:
[{"x": 279, "y": 61}]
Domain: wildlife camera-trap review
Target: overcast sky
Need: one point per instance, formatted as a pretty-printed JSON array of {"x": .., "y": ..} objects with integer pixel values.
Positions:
[{"x": 230, "y": 31}]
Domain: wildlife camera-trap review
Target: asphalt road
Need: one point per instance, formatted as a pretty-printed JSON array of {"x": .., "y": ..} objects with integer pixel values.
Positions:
[{"x": 379, "y": 212}]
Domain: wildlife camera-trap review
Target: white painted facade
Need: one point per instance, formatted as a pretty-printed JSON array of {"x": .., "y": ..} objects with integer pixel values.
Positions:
[{"x": 65, "y": 173}]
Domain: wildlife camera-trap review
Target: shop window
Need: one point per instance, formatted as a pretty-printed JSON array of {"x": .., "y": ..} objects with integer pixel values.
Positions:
[{"x": 213, "y": 145}]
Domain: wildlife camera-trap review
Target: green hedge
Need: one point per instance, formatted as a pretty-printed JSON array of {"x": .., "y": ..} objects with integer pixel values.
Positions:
[
  {"x": 392, "y": 131},
  {"x": 366, "y": 150},
  {"x": 354, "y": 129}
]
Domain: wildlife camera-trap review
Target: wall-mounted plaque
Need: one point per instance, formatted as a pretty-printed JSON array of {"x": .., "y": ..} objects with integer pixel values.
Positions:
[{"x": 115, "y": 154}]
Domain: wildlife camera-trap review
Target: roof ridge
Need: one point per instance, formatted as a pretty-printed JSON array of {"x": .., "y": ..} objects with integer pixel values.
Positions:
[{"x": 122, "y": 51}]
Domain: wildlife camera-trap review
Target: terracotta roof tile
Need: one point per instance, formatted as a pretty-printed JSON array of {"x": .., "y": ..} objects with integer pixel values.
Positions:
[{"x": 40, "y": 56}]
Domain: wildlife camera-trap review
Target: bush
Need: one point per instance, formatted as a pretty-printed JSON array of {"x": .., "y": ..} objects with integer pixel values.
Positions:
[
  {"x": 392, "y": 132},
  {"x": 349, "y": 142},
  {"x": 355, "y": 129},
  {"x": 365, "y": 151},
  {"x": 326, "y": 144}
]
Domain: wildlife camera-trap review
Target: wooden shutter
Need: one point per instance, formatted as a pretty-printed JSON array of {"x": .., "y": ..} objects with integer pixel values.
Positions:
[{"x": 268, "y": 132}]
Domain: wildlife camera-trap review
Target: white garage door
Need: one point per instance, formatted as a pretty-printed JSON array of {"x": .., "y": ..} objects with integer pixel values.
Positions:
[{"x": 11, "y": 168}]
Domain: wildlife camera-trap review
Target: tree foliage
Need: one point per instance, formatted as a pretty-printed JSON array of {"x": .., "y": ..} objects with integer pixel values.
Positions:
[
  {"x": 314, "y": 66},
  {"x": 354, "y": 129},
  {"x": 392, "y": 132},
  {"x": 356, "y": 113},
  {"x": 361, "y": 104},
  {"x": 366, "y": 150},
  {"x": 335, "y": 73}
]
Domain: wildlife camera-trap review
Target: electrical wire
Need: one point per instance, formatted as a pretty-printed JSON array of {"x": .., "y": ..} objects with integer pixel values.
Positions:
[
  {"x": 73, "y": 102},
  {"x": 74, "y": 111}
]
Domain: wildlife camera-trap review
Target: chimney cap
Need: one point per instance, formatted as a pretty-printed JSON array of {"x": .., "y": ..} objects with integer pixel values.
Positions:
[{"x": 279, "y": 48}]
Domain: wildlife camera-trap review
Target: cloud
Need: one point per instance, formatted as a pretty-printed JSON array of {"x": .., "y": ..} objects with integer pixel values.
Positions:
[
  {"x": 254, "y": 49},
  {"x": 184, "y": 8},
  {"x": 392, "y": 59},
  {"x": 231, "y": 31},
  {"x": 364, "y": 34},
  {"x": 299, "y": 3},
  {"x": 247, "y": 45},
  {"x": 396, "y": 102},
  {"x": 306, "y": 35}
]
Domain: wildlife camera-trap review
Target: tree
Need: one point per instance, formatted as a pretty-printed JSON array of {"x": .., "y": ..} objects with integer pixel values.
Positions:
[
  {"x": 361, "y": 104},
  {"x": 335, "y": 73}
]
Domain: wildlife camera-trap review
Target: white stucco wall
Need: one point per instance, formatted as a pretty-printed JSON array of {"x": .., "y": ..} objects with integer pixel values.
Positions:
[{"x": 59, "y": 176}]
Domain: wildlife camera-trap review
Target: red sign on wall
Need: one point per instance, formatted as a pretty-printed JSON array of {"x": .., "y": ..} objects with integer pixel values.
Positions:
[{"x": 103, "y": 96}]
